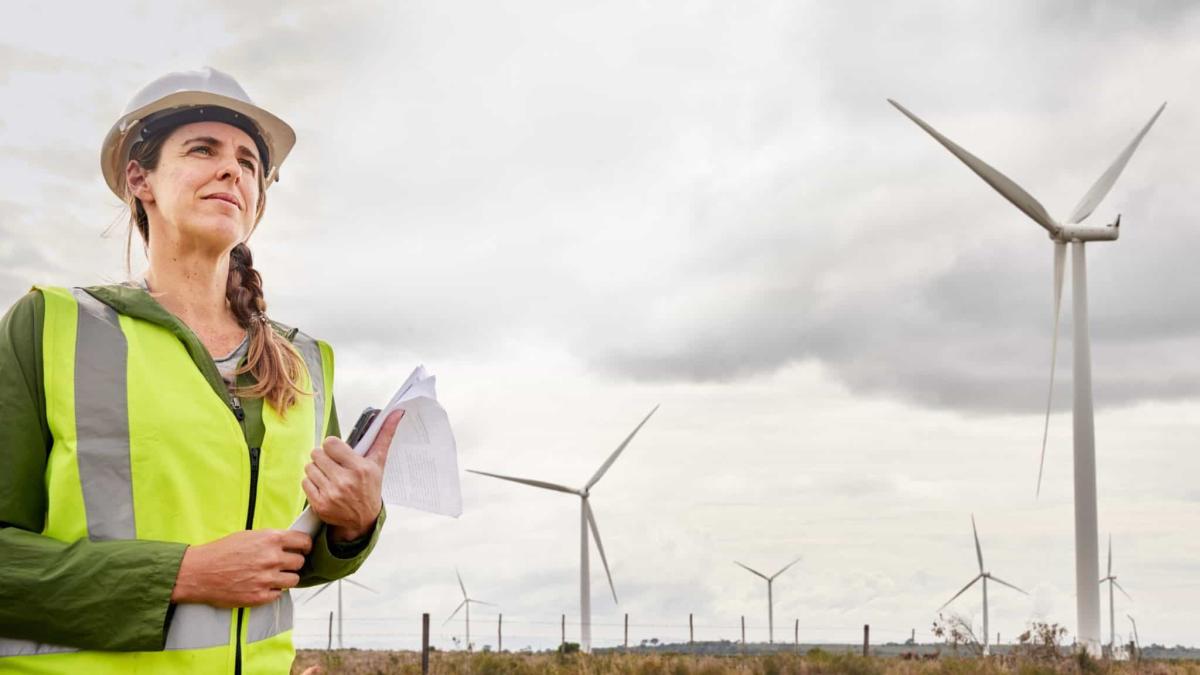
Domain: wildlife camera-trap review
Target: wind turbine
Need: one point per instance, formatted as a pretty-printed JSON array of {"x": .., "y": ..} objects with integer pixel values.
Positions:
[
  {"x": 1112, "y": 616},
  {"x": 465, "y": 603},
  {"x": 984, "y": 576},
  {"x": 1087, "y": 554},
  {"x": 770, "y": 597},
  {"x": 586, "y": 521},
  {"x": 338, "y": 583}
]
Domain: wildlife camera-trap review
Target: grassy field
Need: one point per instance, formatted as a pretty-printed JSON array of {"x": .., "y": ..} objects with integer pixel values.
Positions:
[{"x": 357, "y": 662}]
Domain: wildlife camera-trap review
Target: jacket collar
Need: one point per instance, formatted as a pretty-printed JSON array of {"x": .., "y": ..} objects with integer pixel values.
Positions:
[{"x": 133, "y": 301}]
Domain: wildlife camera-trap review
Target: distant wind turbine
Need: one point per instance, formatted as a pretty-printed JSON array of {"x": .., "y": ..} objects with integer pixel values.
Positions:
[
  {"x": 586, "y": 521},
  {"x": 338, "y": 583},
  {"x": 1112, "y": 616},
  {"x": 1070, "y": 231},
  {"x": 467, "y": 604},
  {"x": 984, "y": 576},
  {"x": 770, "y": 598}
]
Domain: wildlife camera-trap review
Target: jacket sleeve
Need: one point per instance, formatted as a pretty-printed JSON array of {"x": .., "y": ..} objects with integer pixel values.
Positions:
[
  {"x": 329, "y": 561},
  {"x": 109, "y": 595}
]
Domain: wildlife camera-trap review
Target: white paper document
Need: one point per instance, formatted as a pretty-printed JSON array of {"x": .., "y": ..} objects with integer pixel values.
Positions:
[{"x": 422, "y": 465}]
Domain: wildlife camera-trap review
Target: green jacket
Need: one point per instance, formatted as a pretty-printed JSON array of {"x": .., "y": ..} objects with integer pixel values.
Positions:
[{"x": 106, "y": 595}]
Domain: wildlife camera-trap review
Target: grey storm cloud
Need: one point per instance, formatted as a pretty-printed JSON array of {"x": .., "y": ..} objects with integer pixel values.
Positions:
[
  {"x": 962, "y": 325},
  {"x": 974, "y": 334},
  {"x": 700, "y": 203},
  {"x": 712, "y": 195}
]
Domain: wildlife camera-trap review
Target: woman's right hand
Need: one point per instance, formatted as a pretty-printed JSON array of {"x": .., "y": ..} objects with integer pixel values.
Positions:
[{"x": 244, "y": 569}]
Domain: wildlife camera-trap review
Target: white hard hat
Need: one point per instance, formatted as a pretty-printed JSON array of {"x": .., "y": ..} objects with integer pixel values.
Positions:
[{"x": 193, "y": 96}]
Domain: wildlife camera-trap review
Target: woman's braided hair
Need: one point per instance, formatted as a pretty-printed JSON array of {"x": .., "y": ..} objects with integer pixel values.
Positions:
[{"x": 270, "y": 359}]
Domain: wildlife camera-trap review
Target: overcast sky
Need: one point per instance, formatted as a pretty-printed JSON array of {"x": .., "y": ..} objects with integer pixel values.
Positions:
[{"x": 571, "y": 212}]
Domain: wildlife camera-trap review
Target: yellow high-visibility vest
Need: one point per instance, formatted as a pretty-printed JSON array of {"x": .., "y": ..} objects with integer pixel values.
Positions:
[{"x": 144, "y": 448}]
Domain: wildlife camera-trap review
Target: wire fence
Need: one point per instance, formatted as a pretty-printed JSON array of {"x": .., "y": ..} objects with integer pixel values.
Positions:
[{"x": 403, "y": 632}]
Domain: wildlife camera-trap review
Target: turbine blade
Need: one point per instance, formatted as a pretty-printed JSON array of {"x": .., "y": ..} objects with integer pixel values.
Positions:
[
  {"x": 587, "y": 509},
  {"x": 1060, "y": 258},
  {"x": 1110, "y": 555},
  {"x": 527, "y": 481},
  {"x": 1005, "y": 583},
  {"x": 964, "y": 590},
  {"x": 785, "y": 568},
  {"x": 460, "y": 583},
  {"x": 481, "y": 602},
  {"x": 319, "y": 591},
  {"x": 1007, "y": 188},
  {"x": 751, "y": 570},
  {"x": 452, "y": 614},
  {"x": 1121, "y": 589},
  {"x": 362, "y": 586},
  {"x": 1100, "y": 189},
  {"x": 613, "y": 457},
  {"x": 978, "y": 550}
]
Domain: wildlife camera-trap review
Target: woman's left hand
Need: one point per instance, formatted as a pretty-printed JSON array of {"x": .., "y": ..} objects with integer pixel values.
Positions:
[{"x": 345, "y": 490}]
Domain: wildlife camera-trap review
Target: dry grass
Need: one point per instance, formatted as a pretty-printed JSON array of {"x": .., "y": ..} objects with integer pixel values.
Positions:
[{"x": 355, "y": 662}]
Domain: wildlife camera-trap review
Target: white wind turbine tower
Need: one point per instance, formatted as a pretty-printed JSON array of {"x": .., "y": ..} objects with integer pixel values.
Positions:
[
  {"x": 1087, "y": 546},
  {"x": 1112, "y": 616},
  {"x": 586, "y": 521},
  {"x": 770, "y": 598},
  {"x": 338, "y": 583},
  {"x": 467, "y": 604},
  {"x": 983, "y": 575}
]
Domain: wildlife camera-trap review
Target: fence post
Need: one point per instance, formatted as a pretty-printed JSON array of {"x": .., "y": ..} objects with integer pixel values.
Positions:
[
  {"x": 500, "y": 633},
  {"x": 626, "y": 630},
  {"x": 866, "y": 639},
  {"x": 425, "y": 643},
  {"x": 329, "y": 642},
  {"x": 691, "y": 630}
]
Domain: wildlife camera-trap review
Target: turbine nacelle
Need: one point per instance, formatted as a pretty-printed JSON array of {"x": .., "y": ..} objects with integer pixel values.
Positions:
[{"x": 1069, "y": 233}]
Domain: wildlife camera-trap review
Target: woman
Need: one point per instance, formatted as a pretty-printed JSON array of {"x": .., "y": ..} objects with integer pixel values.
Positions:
[{"x": 159, "y": 437}]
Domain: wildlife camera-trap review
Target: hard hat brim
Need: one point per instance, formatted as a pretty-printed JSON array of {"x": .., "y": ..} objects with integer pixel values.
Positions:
[{"x": 114, "y": 153}]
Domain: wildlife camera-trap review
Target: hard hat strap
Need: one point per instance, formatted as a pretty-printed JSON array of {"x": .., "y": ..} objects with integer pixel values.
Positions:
[{"x": 169, "y": 119}]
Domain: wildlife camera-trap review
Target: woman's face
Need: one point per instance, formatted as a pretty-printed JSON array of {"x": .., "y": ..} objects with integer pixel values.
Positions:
[{"x": 205, "y": 188}]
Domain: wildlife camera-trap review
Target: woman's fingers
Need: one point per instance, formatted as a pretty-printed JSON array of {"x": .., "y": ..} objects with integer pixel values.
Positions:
[
  {"x": 286, "y": 580},
  {"x": 299, "y": 542},
  {"x": 336, "y": 450},
  {"x": 335, "y": 453},
  {"x": 330, "y": 457},
  {"x": 315, "y": 473},
  {"x": 292, "y": 562},
  {"x": 383, "y": 442},
  {"x": 311, "y": 491}
]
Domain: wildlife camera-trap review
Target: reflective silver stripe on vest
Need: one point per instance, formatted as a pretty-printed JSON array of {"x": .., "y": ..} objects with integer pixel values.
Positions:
[
  {"x": 102, "y": 432},
  {"x": 198, "y": 626},
  {"x": 270, "y": 620},
  {"x": 192, "y": 627},
  {"x": 311, "y": 353},
  {"x": 102, "y": 420},
  {"x": 10, "y": 647}
]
